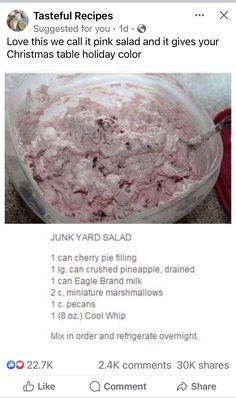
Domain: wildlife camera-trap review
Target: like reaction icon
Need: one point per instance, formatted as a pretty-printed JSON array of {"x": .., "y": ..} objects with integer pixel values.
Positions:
[{"x": 11, "y": 364}]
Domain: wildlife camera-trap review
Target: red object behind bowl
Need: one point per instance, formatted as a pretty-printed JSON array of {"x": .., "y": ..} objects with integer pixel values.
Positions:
[{"x": 223, "y": 184}]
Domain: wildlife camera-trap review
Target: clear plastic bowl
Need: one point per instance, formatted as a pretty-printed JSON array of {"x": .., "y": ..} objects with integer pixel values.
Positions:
[{"x": 20, "y": 174}]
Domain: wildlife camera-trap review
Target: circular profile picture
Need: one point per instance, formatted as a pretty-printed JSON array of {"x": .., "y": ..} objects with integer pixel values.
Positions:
[{"x": 17, "y": 20}]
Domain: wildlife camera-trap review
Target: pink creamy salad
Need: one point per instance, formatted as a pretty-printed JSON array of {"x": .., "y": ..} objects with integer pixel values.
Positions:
[{"x": 101, "y": 153}]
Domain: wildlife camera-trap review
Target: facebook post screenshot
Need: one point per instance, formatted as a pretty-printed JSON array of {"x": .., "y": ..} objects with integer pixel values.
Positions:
[{"x": 117, "y": 174}]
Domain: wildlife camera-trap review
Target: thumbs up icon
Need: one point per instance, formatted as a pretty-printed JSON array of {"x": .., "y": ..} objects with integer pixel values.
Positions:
[{"x": 28, "y": 387}]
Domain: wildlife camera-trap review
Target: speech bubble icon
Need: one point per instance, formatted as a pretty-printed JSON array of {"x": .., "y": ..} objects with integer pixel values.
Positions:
[
  {"x": 95, "y": 386},
  {"x": 182, "y": 386}
]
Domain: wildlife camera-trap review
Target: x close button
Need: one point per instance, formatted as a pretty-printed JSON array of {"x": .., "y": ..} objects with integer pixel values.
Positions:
[{"x": 224, "y": 15}]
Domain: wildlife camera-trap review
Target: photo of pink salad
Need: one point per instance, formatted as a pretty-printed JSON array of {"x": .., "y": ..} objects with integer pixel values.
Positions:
[{"x": 102, "y": 152}]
